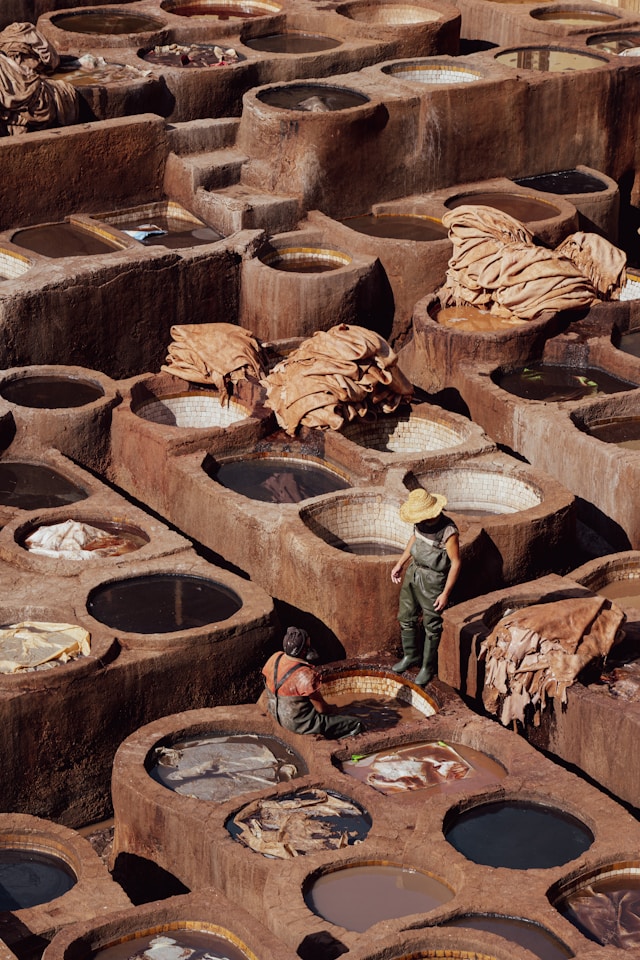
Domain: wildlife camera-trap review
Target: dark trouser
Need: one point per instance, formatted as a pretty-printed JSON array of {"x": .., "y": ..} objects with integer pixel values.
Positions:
[
  {"x": 299, "y": 715},
  {"x": 419, "y": 590}
]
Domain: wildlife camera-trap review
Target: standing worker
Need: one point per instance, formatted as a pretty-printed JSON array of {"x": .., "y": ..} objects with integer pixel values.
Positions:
[
  {"x": 293, "y": 691},
  {"x": 434, "y": 550}
]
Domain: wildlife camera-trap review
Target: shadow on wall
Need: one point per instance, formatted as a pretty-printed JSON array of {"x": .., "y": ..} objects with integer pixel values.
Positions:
[{"x": 144, "y": 881}]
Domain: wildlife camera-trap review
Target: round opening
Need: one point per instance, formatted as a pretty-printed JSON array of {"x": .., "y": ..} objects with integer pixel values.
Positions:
[
  {"x": 312, "y": 98},
  {"x": 188, "y": 57},
  {"x": 555, "y": 383},
  {"x": 548, "y": 59},
  {"x": 358, "y": 897},
  {"x": 56, "y": 240},
  {"x": 404, "y": 434},
  {"x": 78, "y": 540},
  {"x": 114, "y": 22},
  {"x": 292, "y": 43},
  {"x": 390, "y": 14},
  {"x": 221, "y": 9},
  {"x": 500, "y": 835},
  {"x": 483, "y": 493},
  {"x": 570, "y": 16},
  {"x": 34, "y": 486},
  {"x": 630, "y": 342},
  {"x": 517, "y": 205},
  {"x": 81, "y": 73},
  {"x": 162, "y": 603},
  {"x": 216, "y": 767},
  {"x": 616, "y": 43},
  {"x": 429, "y": 72},
  {"x": 195, "y": 409},
  {"x": 396, "y": 226},
  {"x": 298, "y": 823},
  {"x": 564, "y": 182},
  {"x": 606, "y": 906},
  {"x": 378, "y": 703},
  {"x": 306, "y": 260},
  {"x": 29, "y": 877},
  {"x": 539, "y": 941},
  {"x": 272, "y": 479},
  {"x": 173, "y": 943},
  {"x": 365, "y": 526},
  {"x": 468, "y": 319},
  {"x": 50, "y": 391}
]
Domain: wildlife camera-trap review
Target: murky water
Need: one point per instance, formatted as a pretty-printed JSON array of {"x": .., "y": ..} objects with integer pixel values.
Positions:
[
  {"x": 50, "y": 392},
  {"x": 625, "y": 592},
  {"x": 521, "y": 836},
  {"x": 28, "y": 878},
  {"x": 172, "y": 945},
  {"x": 178, "y": 233},
  {"x": 34, "y": 486},
  {"x": 292, "y": 43},
  {"x": 357, "y": 897},
  {"x": 630, "y": 343},
  {"x": 623, "y": 431},
  {"x": 277, "y": 479},
  {"x": 472, "y": 320},
  {"x": 220, "y": 11},
  {"x": 106, "y": 22},
  {"x": 576, "y": 18},
  {"x": 370, "y": 548},
  {"x": 607, "y": 911},
  {"x": 521, "y": 207},
  {"x": 184, "y": 58},
  {"x": 554, "y": 383},
  {"x": 58, "y": 240},
  {"x": 302, "y": 264},
  {"x": 525, "y": 933},
  {"x": 162, "y": 603},
  {"x": 547, "y": 59},
  {"x": 564, "y": 182},
  {"x": 376, "y": 711},
  {"x": 312, "y": 97},
  {"x": 394, "y": 226},
  {"x": 614, "y": 42}
]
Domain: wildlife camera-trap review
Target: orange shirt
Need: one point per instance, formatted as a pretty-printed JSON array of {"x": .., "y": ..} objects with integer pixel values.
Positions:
[{"x": 303, "y": 682}]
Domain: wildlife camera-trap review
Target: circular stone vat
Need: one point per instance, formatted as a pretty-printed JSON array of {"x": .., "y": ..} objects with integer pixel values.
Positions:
[
  {"x": 357, "y": 897},
  {"x": 305, "y": 260},
  {"x": 221, "y": 9},
  {"x": 173, "y": 942},
  {"x": 292, "y": 43},
  {"x": 162, "y": 603},
  {"x": 623, "y": 431},
  {"x": 29, "y": 877},
  {"x": 312, "y": 98},
  {"x": 425, "y": 765},
  {"x": 216, "y": 767},
  {"x": 517, "y": 835},
  {"x": 483, "y": 493},
  {"x": 56, "y": 240},
  {"x": 426, "y": 71},
  {"x": 366, "y": 526},
  {"x": 389, "y": 14},
  {"x": 539, "y": 941},
  {"x": 396, "y": 226},
  {"x": 605, "y": 905},
  {"x": 619, "y": 581},
  {"x": 554, "y": 383},
  {"x": 564, "y": 182},
  {"x": 276, "y": 479},
  {"x": 183, "y": 57},
  {"x": 13, "y": 265},
  {"x": 298, "y": 823},
  {"x": 80, "y": 540},
  {"x": 381, "y": 703},
  {"x": 108, "y": 22},
  {"x": 573, "y": 16},
  {"x": 403, "y": 434},
  {"x": 50, "y": 391},
  {"x": 549, "y": 59},
  {"x": 195, "y": 409},
  {"x": 78, "y": 76},
  {"x": 469, "y": 319},
  {"x": 518, "y": 205},
  {"x": 615, "y": 43},
  {"x": 35, "y": 486}
]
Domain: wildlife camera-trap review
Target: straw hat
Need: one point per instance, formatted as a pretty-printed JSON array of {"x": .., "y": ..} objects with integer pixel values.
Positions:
[{"x": 422, "y": 506}]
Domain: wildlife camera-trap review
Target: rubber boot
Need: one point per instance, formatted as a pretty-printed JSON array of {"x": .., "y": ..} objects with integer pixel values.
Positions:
[
  {"x": 410, "y": 648},
  {"x": 429, "y": 666}
]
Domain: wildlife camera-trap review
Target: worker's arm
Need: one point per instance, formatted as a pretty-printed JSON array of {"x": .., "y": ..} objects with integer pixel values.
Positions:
[
  {"x": 396, "y": 573},
  {"x": 452, "y": 547}
]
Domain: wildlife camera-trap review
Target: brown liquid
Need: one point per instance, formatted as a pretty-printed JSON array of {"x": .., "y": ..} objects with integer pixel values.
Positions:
[
  {"x": 305, "y": 265},
  {"x": 304, "y": 96},
  {"x": 397, "y": 227},
  {"x": 614, "y": 42},
  {"x": 564, "y": 182},
  {"x": 189, "y": 945},
  {"x": 110, "y": 73},
  {"x": 553, "y": 383},
  {"x": 377, "y": 712},
  {"x": 34, "y": 486},
  {"x": 575, "y": 18},
  {"x": 525, "y": 209},
  {"x": 472, "y": 320},
  {"x": 292, "y": 43},
  {"x": 63, "y": 240},
  {"x": 198, "y": 55},
  {"x": 278, "y": 480},
  {"x": 625, "y": 592},
  {"x": 527, "y": 934},
  {"x": 370, "y": 548},
  {"x": 630, "y": 343},
  {"x": 624, "y": 432},
  {"x": 118, "y": 542},
  {"x": 219, "y": 11},
  {"x": 103, "y": 22},
  {"x": 52, "y": 393},
  {"x": 28, "y": 878},
  {"x": 547, "y": 59},
  {"x": 357, "y": 897},
  {"x": 180, "y": 233},
  {"x": 607, "y": 911},
  {"x": 419, "y": 766}
]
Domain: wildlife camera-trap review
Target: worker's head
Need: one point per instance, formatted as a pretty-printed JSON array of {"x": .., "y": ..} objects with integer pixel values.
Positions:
[
  {"x": 421, "y": 505},
  {"x": 297, "y": 643}
]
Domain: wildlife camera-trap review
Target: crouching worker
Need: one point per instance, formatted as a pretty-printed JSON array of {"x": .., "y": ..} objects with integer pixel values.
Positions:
[{"x": 293, "y": 691}]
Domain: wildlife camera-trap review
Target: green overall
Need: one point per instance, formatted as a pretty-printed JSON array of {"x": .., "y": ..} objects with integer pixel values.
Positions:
[{"x": 424, "y": 581}]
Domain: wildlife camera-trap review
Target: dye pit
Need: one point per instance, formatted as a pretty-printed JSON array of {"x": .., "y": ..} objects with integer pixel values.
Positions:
[
  {"x": 397, "y": 226},
  {"x": 167, "y": 231},
  {"x": 174, "y": 944},
  {"x": 564, "y": 182},
  {"x": 34, "y": 486},
  {"x": 312, "y": 98},
  {"x": 291, "y": 43},
  {"x": 540, "y": 942},
  {"x": 521, "y": 207},
  {"x": 554, "y": 383},
  {"x": 276, "y": 479},
  {"x": 50, "y": 392},
  {"x": 377, "y": 712},
  {"x": 217, "y": 10},
  {"x": 102, "y": 22},
  {"x": 607, "y": 910},
  {"x": 29, "y": 877},
  {"x": 59, "y": 240},
  {"x": 471, "y": 319},
  {"x": 548, "y": 59}
]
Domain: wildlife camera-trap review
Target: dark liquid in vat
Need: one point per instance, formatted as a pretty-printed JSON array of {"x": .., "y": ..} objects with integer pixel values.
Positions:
[
  {"x": 305, "y": 265},
  {"x": 162, "y": 603},
  {"x": 376, "y": 711},
  {"x": 524, "y": 209},
  {"x": 180, "y": 233},
  {"x": 358, "y": 897},
  {"x": 199, "y": 55},
  {"x": 303, "y": 97},
  {"x": 607, "y": 911},
  {"x": 50, "y": 392},
  {"x": 624, "y": 432},
  {"x": 575, "y": 17},
  {"x": 370, "y": 548},
  {"x": 564, "y": 181},
  {"x": 527, "y": 934},
  {"x": 221, "y": 11},
  {"x": 552, "y": 382},
  {"x": 470, "y": 319},
  {"x": 630, "y": 343},
  {"x": 196, "y": 944},
  {"x": 275, "y": 480},
  {"x": 33, "y": 486},
  {"x": 521, "y": 836},
  {"x": 62, "y": 240},
  {"x": 28, "y": 878},
  {"x": 105, "y": 22},
  {"x": 292, "y": 43},
  {"x": 397, "y": 227}
]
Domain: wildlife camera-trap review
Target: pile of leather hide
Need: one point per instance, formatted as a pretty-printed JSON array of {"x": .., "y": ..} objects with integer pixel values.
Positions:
[
  {"x": 496, "y": 266},
  {"x": 537, "y": 652},
  {"x": 216, "y": 354},
  {"x": 335, "y": 376}
]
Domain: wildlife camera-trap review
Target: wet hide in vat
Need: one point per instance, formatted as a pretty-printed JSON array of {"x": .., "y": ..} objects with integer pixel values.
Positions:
[
  {"x": 428, "y": 766},
  {"x": 28, "y": 99},
  {"x": 496, "y": 266},
  {"x": 33, "y": 644},
  {"x": 610, "y": 916},
  {"x": 335, "y": 376},
  {"x": 73, "y": 540},
  {"x": 216, "y": 354},
  {"x": 537, "y": 652}
]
